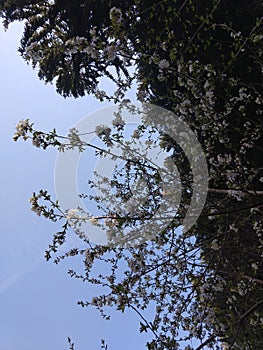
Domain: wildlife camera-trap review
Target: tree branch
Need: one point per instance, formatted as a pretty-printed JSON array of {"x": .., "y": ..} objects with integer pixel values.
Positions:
[
  {"x": 255, "y": 306},
  {"x": 249, "y": 278},
  {"x": 260, "y": 204},
  {"x": 228, "y": 191},
  {"x": 206, "y": 342}
]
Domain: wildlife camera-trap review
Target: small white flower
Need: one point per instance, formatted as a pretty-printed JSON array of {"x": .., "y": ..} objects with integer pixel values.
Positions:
[
  {"x": 94, "y": 221},
  {"x": 90, "y": 50},
  {"x": 254, "y": 266},
  {"x": 80, "y": 40},
  {"x": 23, "y": 123},
  {"x": 235, "y": 35},
  {"x": 241, "y": 290},
  {"x": 118, "y": 121},
  {"x": 238, "y": 195},
  {"x": 136, "y": 134},
  {"x": 233, "y": 228},
  {"x": 102, "y": 130},
  {"x": 100, "y": 94},
  {"x": 111, "y": 51},
  {"x": 115, "y": 15},
  {"x": 164, "y": 64},
  {"x": 110, "y": 222},
  {"x": 22, "y": 126},
  {"x": 206, "y": 85},
  {"x": 36, "y": 141},
  {"x": 131, "y": 205},
  {"x": 214, "y": 245},
  {"x": 164, "y": 46},
  {"x": 93, "y": 31},
  {"x": 191, "y": 68},
  {"x": 73, "y": 214},
  {"x": 209, "y": 94}
]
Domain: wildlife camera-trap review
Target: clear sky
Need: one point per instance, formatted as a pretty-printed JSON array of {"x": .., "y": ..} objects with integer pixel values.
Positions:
[{"x": 38, "y": 299}]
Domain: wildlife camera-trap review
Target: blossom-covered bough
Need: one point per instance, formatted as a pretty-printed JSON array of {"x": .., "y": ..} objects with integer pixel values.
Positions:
[{"x": 203, "y": 62}]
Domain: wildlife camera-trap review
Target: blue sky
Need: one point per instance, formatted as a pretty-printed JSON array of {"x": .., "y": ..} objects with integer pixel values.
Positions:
[{"x": 38, "y": 299}]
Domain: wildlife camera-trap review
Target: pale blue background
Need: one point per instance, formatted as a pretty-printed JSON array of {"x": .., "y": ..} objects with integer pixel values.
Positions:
[{"x": 38, "y": 299}]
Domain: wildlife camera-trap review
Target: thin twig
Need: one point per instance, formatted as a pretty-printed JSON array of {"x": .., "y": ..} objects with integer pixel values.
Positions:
[{"x": 148, "y": 324}]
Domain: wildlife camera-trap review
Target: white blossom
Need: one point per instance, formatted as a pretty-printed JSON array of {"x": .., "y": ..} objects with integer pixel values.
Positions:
[
  {"x": 100, "y": 94},
  {"x": 22, "y": 128},
  {"x": 90, "y": 50},
  {"x": 115, "y": 15},
  {"x": 36, "y": 141},
  {"x": 238, "y": 195},
  {"x": 235, "y": 35},
  {"x": 73, "y": 214},
  {"x": 214, "y": 245},
  {"x": 94, "y": 221},
  {"x": 191, "y": 68},
  {"x": 111, "y": 52},
  {"x": 163, "y": 64},
  {"x": 110, "y": 222},
  {"x": 233, "y": 228},
  {"x": 118, "y": 121},
  {"x": 102, "y": 130},
  {"x": 136, "y": 134}
]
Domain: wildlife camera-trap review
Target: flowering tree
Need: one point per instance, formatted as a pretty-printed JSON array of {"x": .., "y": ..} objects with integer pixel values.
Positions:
[{"x": 203, "y": 62}]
